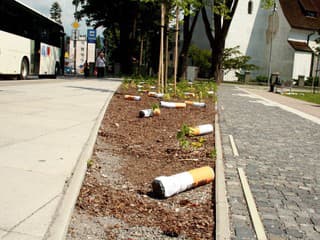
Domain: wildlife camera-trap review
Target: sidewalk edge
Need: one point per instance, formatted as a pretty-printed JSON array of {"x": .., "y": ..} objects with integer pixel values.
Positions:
[
  {"x": 60, "y": 224},
  {"x": 222, "y": 207}
]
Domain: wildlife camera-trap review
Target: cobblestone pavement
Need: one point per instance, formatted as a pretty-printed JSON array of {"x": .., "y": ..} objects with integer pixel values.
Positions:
[{"x": 280, "y": 154}]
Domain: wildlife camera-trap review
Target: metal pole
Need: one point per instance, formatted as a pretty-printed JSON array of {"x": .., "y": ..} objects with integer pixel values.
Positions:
[
  {"x": 271, "y": 40},
  {"x": 75, "y": 51},
  {"x": 176, "y": 51}
]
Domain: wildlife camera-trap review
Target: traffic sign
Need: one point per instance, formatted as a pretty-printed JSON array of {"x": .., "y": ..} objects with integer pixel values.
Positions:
[
  {"x": 91, "y": 35},
  {"x": 75, "y": 24}
]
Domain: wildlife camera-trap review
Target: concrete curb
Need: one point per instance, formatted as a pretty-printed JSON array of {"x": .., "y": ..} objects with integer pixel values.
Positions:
[
  {"x": 60, "y": 223},
  {"x": 222, "y": 207}
]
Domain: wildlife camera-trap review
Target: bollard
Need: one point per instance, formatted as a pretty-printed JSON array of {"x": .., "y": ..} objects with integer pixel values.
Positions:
[
  {"x": 167, "y": 186},
  {"x": 172, "y": 104},
  {"x": 196, "y": 104},
  {"x": 131, "y": 97},
  {"x": 201, "y": 130}
]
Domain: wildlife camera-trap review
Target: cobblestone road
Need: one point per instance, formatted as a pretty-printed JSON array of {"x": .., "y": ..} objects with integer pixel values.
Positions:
[{"x": 280, "y": 154}]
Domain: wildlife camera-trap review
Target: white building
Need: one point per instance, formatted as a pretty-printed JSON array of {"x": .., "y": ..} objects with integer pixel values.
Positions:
[
  {"x": 84, "y": 51},
  {"x": 281, "y": 39}
]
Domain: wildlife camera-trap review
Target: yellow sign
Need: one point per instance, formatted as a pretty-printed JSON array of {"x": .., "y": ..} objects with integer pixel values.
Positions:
[{"x": 75, "y": 25}]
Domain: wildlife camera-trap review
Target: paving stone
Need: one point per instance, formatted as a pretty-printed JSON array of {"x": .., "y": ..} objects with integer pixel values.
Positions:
[
  {"x": 295, "y": 233},
  {"x": 282, "y": 169},
  {"x": 244, "y": 232}
]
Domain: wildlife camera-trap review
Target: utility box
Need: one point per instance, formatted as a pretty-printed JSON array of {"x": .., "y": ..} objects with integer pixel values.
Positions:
[
  {"x": 247, "y": 77},
  {"x": 192, "y": 73},
  {"x": 301, "y": 81}
]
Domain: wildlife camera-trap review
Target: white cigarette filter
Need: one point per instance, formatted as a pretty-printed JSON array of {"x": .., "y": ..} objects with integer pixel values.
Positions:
[
  {"x": 201, "y": 130},
  {"x": 131, "y": 97},
  {"x": 196, "y": 104},
  {"x": 210, "y": 92},
  {"x": 172, "y": 104},
  {"x": 167, "y": 186},
  {"x": 146, "y": 113},
  {"x": 156, "y": 95}
]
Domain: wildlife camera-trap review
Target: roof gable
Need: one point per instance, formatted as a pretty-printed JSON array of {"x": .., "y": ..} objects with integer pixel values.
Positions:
[{"x": 302, "y": 14}]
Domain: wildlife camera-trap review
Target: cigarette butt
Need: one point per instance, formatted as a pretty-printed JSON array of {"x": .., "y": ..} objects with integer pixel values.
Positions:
[
  {"x": 166, "y": 186},
  {"x": 201, "y": 130},
  {"x": 196, "y": 104},
  {"x": 172, "y": 104},
  {"x": 131, "y": 97}
]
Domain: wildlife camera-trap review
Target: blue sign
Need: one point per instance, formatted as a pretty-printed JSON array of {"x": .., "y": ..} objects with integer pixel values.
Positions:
[{"x": 91, "y": 36}]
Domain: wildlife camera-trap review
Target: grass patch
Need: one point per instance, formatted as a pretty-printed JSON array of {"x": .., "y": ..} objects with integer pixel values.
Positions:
[{"x": 305, "y": 96}]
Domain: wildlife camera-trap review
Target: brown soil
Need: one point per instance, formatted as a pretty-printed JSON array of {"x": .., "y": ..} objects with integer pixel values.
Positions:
[{"x": 130, "y": 152}]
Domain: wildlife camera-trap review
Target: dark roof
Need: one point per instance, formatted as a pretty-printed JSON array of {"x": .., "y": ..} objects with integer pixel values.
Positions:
[
  {"x": 296, "y": 10},
  {"x": 300, "y": 46}
]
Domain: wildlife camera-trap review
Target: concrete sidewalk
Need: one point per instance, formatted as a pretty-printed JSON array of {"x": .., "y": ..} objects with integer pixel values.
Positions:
[
  {"x": 46, "y": 137},
  {"x": 277, "y": 139}
]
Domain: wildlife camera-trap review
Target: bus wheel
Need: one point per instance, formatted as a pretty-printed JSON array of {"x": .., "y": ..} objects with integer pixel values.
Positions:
[{"x": 24, "y": 70}]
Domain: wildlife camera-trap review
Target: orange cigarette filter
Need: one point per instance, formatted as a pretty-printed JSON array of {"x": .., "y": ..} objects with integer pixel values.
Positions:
[
  {"x": 156, "y": 112},
  {"x": 194, "y": 131},
  {"x": 202, "y": 176}
]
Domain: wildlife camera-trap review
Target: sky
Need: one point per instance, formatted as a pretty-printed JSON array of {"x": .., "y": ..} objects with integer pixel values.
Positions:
[{"x": 67, "y": 18}]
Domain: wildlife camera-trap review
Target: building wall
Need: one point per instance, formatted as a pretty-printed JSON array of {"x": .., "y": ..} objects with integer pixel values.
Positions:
[
  {"x": 81, "y": 52},
  {"x": 262, "y": 35}
]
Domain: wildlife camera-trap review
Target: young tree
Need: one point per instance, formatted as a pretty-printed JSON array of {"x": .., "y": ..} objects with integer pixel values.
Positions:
[{"x": 55, "y": 12}]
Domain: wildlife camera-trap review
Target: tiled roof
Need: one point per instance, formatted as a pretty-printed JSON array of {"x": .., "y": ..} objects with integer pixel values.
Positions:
[
  {"x": 300, "y": 46},
  {"x": 296, "y": 12}
]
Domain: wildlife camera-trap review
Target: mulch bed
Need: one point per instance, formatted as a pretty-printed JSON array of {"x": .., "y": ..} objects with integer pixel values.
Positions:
[{"x": 130, "y": 152}]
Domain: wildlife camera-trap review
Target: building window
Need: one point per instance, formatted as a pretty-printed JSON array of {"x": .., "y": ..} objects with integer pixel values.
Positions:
[{"x": 250, "y": 6}]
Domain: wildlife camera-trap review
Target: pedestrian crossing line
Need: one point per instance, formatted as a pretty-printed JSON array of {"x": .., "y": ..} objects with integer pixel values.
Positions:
[
  {"x": 257, "y": 223},
  {"x": 233, "y": 146}
]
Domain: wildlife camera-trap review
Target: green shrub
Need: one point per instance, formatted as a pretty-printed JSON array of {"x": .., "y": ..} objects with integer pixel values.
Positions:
[
  {"x": 261, "y": 79},
  {"x": 308, "y": 82}
]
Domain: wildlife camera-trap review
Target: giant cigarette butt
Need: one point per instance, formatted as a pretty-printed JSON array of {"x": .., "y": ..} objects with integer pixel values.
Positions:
[
  {"x": 131, "y": 97},
  {"x": 201, "y": 130},
  {"x": 167, "y": 186},
  {"x": 172, "y": 104},
  {"x": 196, "y": 104}
]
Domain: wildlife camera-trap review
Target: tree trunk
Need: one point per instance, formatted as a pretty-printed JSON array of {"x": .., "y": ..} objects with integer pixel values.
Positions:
[
  {"x": 217, "y": 42},
  {"x": 187, "y": 34}
]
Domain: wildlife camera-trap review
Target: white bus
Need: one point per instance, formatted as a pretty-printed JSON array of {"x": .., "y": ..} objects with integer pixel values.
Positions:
[{"x": 30, "y": 43}]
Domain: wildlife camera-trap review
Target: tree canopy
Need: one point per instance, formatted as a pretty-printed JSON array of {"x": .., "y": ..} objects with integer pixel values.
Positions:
[{"x": 55, "y": 12}]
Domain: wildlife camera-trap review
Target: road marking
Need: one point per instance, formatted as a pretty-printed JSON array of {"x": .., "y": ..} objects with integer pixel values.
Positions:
[
  {"x": 286, "y": 108},
  {"x": 233, "y": 146},
  {"x": 268, "y": 104},
  {"x": 257, "y": 223}
]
